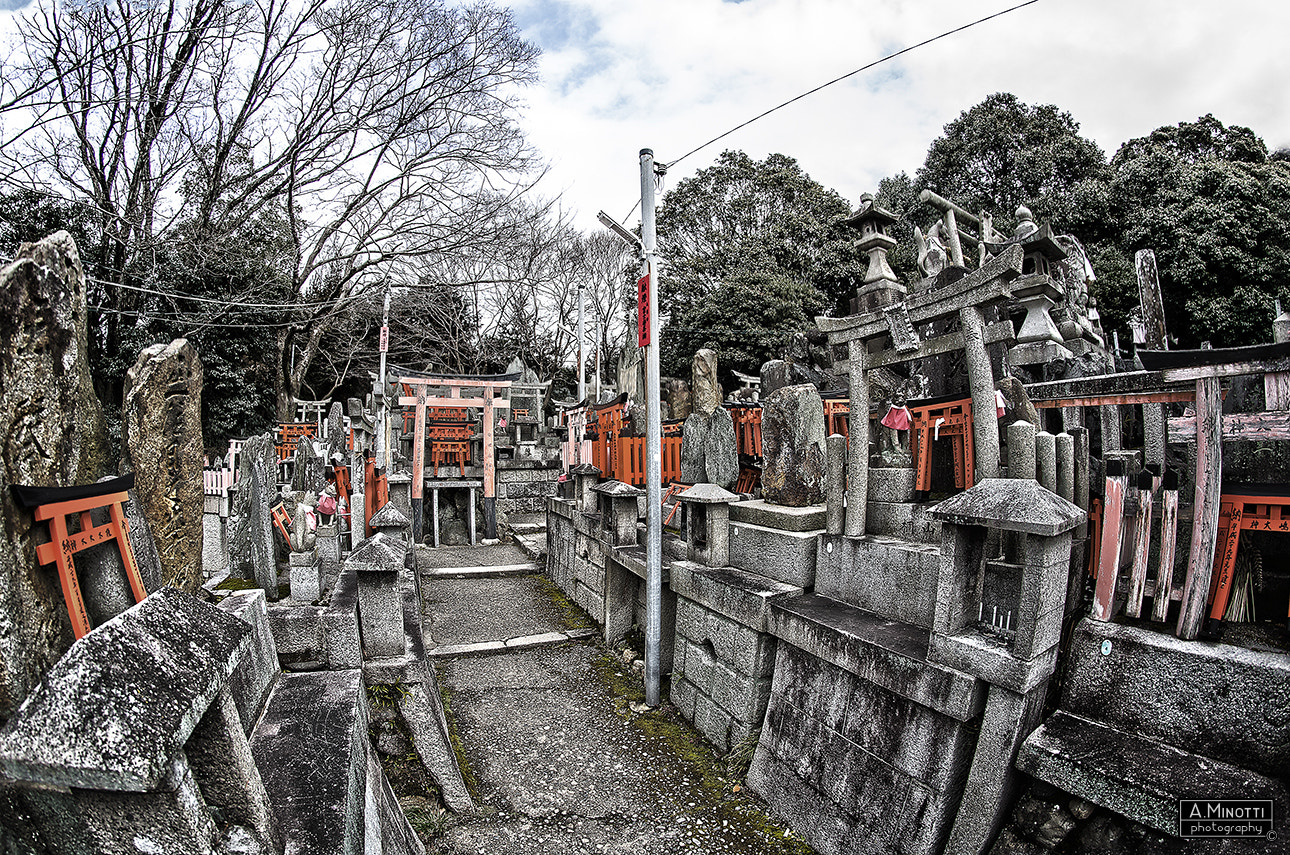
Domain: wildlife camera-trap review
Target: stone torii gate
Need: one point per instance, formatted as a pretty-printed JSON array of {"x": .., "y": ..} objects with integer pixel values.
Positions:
[
  {"x": 491, "y": 401},
  {"x": 965, "y": 298}
]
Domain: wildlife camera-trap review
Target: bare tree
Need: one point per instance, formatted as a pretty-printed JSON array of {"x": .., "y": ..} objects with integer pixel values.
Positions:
[{"x": 381, "y": 130}]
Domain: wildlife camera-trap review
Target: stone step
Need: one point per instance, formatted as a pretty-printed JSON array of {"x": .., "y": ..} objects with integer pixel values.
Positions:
[
  {"x": 523, "y": 642},
  {"x": 484, "y": 571},
  {"x": 1136, "y": 777},
  {"x": 528, "y": 527},
  {"x": 325, "y": 788}
]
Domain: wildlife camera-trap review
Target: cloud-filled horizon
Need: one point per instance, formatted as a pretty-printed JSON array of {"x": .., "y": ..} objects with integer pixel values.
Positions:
[{"x": 670, "y": 75}]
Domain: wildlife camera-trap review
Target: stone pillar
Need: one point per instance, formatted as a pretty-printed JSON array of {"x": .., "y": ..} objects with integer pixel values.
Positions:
[
  {"x": 985, "y": 421},
  {"x": 1021, "y": 450},
  {"x": 704, "y": 385},
  {"x": 161, "y": 424},
  {"x": 858, "y": 431},
  {"x": 251, "y": 548},
  {"x": 55, "y": 436},
  {"x": 835, "y": 489},
  {"x": 1066, "y": 466},
  {"x": 1046, "y": 460},
  {"x": 1153, "y": 432},
  {"x": 1111, "y": 438}
]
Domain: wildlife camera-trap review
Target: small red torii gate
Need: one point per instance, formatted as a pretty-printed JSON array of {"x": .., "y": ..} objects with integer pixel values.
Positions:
[{"x": 421, "y": 399}]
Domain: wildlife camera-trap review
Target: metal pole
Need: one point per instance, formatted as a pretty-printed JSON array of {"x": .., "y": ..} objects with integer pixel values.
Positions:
[
  {"x": 382, "y": 421},
  {"x": 582, "y": 353},
  {"x": 653, "y": 446},
  {"x": 597, "y": 328}
]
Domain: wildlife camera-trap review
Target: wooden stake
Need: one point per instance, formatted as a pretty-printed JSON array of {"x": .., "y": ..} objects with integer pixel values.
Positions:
[
  {"x": 1109, "y": 551},
  {"x": 1204, "y": 539},
  {"x": 1142, "y": 543},
  {"x": 1168, "y": 542}
]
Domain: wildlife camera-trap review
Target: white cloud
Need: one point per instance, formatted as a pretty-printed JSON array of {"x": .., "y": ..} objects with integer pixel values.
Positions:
[{"x": 672, "y": 74}]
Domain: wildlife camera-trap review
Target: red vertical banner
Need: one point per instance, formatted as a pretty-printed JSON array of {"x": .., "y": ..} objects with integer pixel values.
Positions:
[{"x": 642, "y": 311}]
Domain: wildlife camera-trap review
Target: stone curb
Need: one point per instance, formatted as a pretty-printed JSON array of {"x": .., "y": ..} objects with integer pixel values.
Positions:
[
  {"x": 530, "y": 548},
  {"x": 483, "y": 572},
  {"x": 522, "y": 642}
]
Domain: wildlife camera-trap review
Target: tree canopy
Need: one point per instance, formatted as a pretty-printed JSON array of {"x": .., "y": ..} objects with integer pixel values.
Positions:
[
  {"x": 1001, "y": 154},
  {"x": 741, "y": 229},
  {"x": 1216, "y": 210},
  {"x": 374, "y": 131}
]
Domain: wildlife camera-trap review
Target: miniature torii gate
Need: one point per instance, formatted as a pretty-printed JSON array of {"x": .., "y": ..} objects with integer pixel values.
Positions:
[
  {"x": 421, "y": 400},
  {"x": 991, "y": 283}
]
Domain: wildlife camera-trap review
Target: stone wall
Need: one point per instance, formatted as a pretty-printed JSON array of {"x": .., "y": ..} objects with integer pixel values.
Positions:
[{"x": 523, "y": 486}]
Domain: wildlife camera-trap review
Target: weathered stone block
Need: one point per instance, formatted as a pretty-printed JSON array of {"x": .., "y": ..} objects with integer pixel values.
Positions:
[
  {"x": 892, "y": 578},
  {"x": 1211, "y": 699},
  {"x": 891, "y": 484},
  {"x": 905, "y": 520},
  {"x": 121, "y": 703},
  {"x": 1136, "y": 777},
  {"x": 311, "y": 748},
  {"x": 785, "y": 556},
  {"x": 306, "y": 576},
  {"x": 739, "y": 595},
  {"x": 793, "y": 468},
  {"x": 251, "y": 680},
  {"x": 987, "y": 657},
  {"x": 890, "y": 654},
  {"x": 838, "y": 795},
  {"x": 762, "y": 513}
]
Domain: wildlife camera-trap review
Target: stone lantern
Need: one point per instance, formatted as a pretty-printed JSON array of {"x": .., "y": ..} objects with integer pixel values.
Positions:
[
  {"x": 1039, "y": 341},
  {"x": 880, "y": 287},
  {"x": 585, "y": 478},
  {"x": 618, "y": 512},
  {"x": 707, "y": 524},
  {"x": 997, "y": 620}
]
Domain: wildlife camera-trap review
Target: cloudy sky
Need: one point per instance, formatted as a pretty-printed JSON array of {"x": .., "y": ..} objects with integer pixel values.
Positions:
[{"x": 621, "y": 75}]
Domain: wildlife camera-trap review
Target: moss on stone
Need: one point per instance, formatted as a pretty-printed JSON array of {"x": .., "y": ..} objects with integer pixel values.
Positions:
[
  {"x": 572, "y": 614},
  {"x": 454, "y": 736},
  {"x": 235, "y": 584}
]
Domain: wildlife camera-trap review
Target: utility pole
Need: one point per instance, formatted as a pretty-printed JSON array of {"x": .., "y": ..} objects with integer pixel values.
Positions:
[
  {"x": 383, "y": 414},
  {"x": 582, "y": 348},
  {"x": 653, "y": 443}
]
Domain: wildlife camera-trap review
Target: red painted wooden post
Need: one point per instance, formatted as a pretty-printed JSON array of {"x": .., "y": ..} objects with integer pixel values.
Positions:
[
  {"x": 1108, "y": 567},
  {"x": 1229, "y": 538}
]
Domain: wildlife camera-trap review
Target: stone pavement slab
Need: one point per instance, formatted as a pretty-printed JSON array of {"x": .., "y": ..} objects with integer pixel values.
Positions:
[
  {"x": 470, "y": 610},
  {"x": 429, "y": 557},
  {"x": 563, "y": 766}
]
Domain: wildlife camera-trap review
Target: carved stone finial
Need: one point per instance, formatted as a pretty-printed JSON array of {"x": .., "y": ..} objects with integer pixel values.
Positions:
[{"x": 1025, "y": 223}]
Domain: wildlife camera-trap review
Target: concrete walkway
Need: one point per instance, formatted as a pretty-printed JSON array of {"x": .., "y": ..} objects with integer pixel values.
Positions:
[{"x": 560, "y": 752}]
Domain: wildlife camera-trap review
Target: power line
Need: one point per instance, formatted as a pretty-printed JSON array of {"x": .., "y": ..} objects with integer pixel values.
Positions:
[{"x": 900, "y": 52}]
